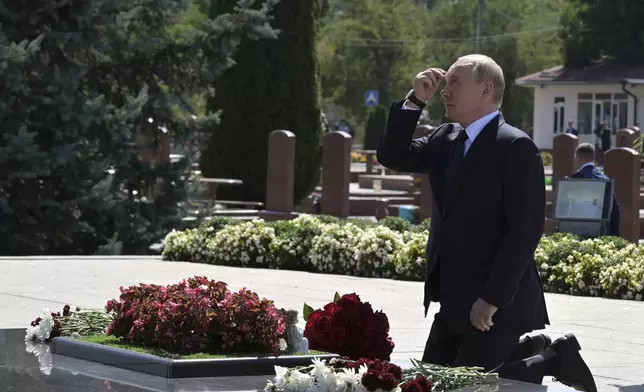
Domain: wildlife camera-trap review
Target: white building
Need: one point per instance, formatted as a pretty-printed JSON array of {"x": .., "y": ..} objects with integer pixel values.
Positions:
[{"x": 605, "y": 92}]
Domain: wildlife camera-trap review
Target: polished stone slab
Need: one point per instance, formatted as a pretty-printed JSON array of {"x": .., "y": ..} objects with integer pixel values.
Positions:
[
  {"x": 34, "y": 368},
  {"x": 176, "y": 368},
  {"x": 610, "y": 331}
]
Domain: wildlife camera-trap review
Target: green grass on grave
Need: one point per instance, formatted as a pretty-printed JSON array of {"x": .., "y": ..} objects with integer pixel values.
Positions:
[{"x": 116, "y": 342}]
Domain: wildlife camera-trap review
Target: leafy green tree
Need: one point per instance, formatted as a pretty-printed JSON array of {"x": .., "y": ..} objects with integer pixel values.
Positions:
[
  {"x": 80, "y": 82},
  {"x": 519, "y": 34},
  {"x": 274, "y": 85},
  {"x": 601, "y": 29},
  {"x": 368, "y": 45}
]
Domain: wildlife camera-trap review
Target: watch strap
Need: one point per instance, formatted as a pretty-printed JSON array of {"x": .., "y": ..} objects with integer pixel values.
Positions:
[{"x": 412, "y": 98}]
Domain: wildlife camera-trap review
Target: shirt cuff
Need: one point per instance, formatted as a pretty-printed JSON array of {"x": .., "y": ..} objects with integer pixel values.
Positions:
[{"x": 405, "y": 107}]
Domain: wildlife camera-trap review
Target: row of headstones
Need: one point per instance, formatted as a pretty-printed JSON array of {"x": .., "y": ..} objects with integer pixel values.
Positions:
[
  {"x": 622, "y": 164},
  {"x": 336, "y": 175}
]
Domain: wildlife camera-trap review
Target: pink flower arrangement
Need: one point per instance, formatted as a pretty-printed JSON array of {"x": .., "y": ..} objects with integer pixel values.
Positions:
[
  {"x": 250, "y": 324},
  {"x": 196, "y": 315}
]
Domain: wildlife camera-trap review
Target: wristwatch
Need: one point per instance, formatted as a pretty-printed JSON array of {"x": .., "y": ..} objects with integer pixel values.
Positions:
[{"x": 412, "y": 98}]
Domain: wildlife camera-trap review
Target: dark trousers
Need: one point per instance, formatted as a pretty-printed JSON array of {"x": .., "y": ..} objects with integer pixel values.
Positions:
[{"x": 494, "y": 350}]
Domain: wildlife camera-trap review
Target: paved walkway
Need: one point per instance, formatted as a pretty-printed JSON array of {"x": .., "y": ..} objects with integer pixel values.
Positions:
[{"x": 610, "y": 331}]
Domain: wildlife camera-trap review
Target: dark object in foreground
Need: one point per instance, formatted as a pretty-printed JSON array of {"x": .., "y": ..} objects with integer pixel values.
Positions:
[
  {"x": 177, "y": 368},
  {"x": 571, "y": 368}
]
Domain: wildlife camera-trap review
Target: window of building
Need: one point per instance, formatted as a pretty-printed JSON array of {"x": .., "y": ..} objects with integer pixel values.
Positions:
[
  {"x": 559, "y": 109},
  {"x": 595, "y": 109}
]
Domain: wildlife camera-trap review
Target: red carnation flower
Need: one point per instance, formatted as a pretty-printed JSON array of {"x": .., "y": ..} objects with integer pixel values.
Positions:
[
  {"x": 370, "y": 380},
  {"x": 387, "y": 381},
  {"x": 419, "y": 384}
]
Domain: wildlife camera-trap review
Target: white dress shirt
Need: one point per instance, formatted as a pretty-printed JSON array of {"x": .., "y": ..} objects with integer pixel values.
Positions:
[{"x": 474, "y": 129}]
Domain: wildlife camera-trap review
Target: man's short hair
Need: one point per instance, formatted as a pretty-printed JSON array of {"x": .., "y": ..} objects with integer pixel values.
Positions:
[
  {"x": 484, "y": 69},
  {"x": 585, "y": 151}
]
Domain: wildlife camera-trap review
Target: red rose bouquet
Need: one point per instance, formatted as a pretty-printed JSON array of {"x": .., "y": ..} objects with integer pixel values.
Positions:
[{"x": 350, "y": 328}]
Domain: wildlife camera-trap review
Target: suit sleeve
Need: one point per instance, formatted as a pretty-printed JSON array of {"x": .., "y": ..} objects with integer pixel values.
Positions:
[
  {"x": 397, "y": 150},
  {"x": 524, "y": 198}
]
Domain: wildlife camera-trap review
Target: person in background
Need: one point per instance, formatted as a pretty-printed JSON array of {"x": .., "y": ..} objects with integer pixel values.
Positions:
[
  {"x": 607, "y": 143},
  {"x": 343, "y": 126},
  {"x": 585, "y": 161},
  {"x": 572, "y": 130}
]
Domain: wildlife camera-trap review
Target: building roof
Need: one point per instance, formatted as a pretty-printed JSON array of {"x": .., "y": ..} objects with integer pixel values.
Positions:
[{"x": 601, "y": 73}]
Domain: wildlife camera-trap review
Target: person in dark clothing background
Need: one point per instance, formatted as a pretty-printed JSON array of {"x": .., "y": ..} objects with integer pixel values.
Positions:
[
  {"x": 572, "y": 130},
  {"x": 585, "y": 161}
]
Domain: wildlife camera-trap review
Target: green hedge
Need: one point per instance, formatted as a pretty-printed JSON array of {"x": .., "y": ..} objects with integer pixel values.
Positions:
[{"x": 608, "y": 266}]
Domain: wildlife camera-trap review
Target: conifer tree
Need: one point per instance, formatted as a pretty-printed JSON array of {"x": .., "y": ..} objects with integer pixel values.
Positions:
[
  {"x": 80, "y": 80},
  {"x": 274, "y": 85}
]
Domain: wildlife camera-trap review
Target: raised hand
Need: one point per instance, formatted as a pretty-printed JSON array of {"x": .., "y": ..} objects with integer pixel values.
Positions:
[{"x": 427, "y": 82}]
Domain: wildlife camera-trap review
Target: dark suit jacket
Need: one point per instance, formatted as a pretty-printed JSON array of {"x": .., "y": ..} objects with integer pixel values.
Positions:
[
  {"x": 574, "y": 131},
  {"x": 486, "y": 223},
  {"x": 591, "y": 171}
]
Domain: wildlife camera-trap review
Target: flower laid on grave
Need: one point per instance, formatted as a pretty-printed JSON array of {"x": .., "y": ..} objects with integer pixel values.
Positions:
[
  {"x": 363, "y": 375},
  {"x": 68, "y": 323},
  {"x": 350, "y": 328}
]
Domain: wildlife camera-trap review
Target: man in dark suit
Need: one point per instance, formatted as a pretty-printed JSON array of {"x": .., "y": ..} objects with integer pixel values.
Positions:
[
  {"x": 488, "y": 211},
  {"x": 572, "y": 130},
  {"x": 585, "y": 160}
]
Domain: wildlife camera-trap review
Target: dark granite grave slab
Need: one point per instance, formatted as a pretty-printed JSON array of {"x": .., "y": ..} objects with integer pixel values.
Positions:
[
  {"x": 177, "y": 368},
  {"x": 23, "y": 371}
]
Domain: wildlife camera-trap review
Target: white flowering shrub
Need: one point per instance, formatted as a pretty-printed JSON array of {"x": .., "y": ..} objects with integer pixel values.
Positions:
[
  {"x": 179, "y": 245},
  {"x": 244, "y": 245},
  {"x": 191, "y": 244},
  {"x": 555, "y": 258},
  {"x": 374, "y": 252},
  {"x": 624, "y": 278},
  {"x": 396, "y": 224},
  {"x": 294, "y": 239},
  {"x": 572, "y": 266},
  {"x": 607, "y": 266},
  {"x": 583, "y": 273},
  {"x": 333, "y": 250},
  {"x": 411, "y": 259}
]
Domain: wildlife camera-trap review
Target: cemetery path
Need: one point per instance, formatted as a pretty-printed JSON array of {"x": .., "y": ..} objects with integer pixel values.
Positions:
[{"x": 610, "y": 331}]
